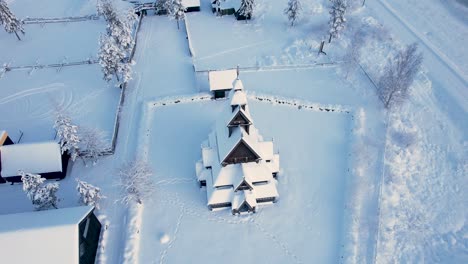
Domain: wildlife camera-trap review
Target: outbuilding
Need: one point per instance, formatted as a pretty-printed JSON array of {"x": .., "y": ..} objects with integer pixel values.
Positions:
[
  {"x": 224, "y": 7},
  {"x": 68, "y": 235},
  {"x": 221, "y": 82},
  {"x": 191, "y": 5},
  {"x": 44, "y": 158}
]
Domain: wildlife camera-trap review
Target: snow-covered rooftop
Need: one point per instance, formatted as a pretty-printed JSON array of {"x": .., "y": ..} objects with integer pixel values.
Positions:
[
  {"x": 190, "y": 3},
  {"x": 221, "y": 80},
  {"x": 3, "y": 136},
  {"x": 42, "y": 236},
  {"x": 33, "y": 158}
]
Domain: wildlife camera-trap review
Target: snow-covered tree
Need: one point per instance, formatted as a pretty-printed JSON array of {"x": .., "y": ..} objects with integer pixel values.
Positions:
[
  {"x": 43, "y": 196},
  {"x": 162, "y": 5},
  {"x": 93, "y": 142},
  {"x": 89, "y": 194},
  {"x": 293, "y": 11},
  {"x": 120, "y": 28},
  {"x": 67, "y": 134},
  {"x": 9, "y": 21},
  {"x": 112, "y": 59},
  {"x": 246, "y": 8},
  {"x": 337, "y": 20},
  {"x": 398, "y": 75},
  {"x": 176, "y": 10},
  {"x": 136, "y": 182}
]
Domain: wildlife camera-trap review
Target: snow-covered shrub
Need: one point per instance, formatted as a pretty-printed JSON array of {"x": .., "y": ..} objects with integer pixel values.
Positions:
[
  {"x": 89, "y": 194},
  {"x": 43, "y": 196},
  {"x": 136, "y": 182},
  {"x": 67, "y": 134}
]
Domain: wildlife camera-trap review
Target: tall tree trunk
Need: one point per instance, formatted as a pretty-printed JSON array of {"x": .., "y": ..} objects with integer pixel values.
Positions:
[
  {"x": 178, "y": 27},
  {"x": 329, "y": 39},
  {"x": 17, "y": 36}
]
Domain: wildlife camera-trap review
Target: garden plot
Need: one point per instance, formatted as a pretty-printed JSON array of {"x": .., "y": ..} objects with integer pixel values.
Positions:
[
  {"x": 223, "y": 42},
  {"x": 314, "y": 149},
  {"x": 52, "y": 43},
  {"x": 28, "y": 100}
]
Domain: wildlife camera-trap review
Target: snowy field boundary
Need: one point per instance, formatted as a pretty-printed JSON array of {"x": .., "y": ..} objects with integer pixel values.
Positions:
[
  {"x": 356, "y": 234},
  {"x": 191, "y": 49},
  {"x": 274, "y": 67},
  {"x": 60, "y": 19},
  {"x": 6, "y": 68}
]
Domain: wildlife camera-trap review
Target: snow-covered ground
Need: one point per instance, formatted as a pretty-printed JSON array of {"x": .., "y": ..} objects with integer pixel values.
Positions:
[
  {"x": 418, "y": 214},
  {"x": 311, "y": 184},
  {"x": 31, "y": 99}
]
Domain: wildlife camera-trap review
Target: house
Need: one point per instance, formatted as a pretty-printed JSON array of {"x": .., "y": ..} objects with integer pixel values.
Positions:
[
  {"x": 221, "y": 82},
  {"x": 68, "y": 235},
  {"x": 191, "y": 5},
  {"x": 238, "y": 167},
  {"x": 44, "y": 158},
  {"x": 225, "y": 7},
  {"x": 5, "y": 139}
]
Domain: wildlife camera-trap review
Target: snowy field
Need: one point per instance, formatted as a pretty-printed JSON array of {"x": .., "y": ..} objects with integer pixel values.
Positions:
[
  {"x": 311, "y": 186},
  {"x": 257, "y": 42},
  {"x": 32, "y": 98},
  {"x": 52, "y": 43}
]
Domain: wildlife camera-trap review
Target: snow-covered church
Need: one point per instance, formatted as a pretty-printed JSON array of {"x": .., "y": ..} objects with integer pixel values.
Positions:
[{"x": 238, "y": 167}]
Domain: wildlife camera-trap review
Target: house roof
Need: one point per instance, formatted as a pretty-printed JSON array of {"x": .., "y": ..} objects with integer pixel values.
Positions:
[
  {"x": 190, "y": 3},
  {"x": 42, "y": 236},
  {"x": 33, "y": 158},
  {"x": 3, "y": 136},
  {"x": 243, "y": 196},
  {"x": 221, "y": 80}
]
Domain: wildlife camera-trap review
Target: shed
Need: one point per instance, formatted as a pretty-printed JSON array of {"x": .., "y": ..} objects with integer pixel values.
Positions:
[
  {"x": 221, "y": 81},
  {"x": 68, "y": 235},
  {"x": 191, "y": 5},
  {"x": 225, "y": 7},
  {"x": 44, "y": 158}
]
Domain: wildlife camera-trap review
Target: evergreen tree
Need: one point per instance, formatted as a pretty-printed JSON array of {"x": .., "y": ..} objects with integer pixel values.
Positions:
[
  {"x": 246, "y": 8},
  {"x": 89, "y": 194},
  {"x": 176, "y": 10},
  {"x": 67, "y": 134},
  {"x": 337, "y": 19},
  {"x": 111, "y": 58},
  {"x": 43, "y": 196},
  {"x": 293, "y": 11},
  {"x": 9, "y": 21}
]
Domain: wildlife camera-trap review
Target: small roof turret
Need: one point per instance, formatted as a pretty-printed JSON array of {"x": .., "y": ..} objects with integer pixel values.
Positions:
[{"x": 237, "y": 85}]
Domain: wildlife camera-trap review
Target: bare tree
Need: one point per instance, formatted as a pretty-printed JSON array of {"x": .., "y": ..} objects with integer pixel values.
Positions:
[
  {"x": 293, "y": 11},
  {"x": 89, "y": 194},
  {"x": 93, "y": 142},
  {"x": 136, "y": 182},
  {"x": 398, "y": 75},
  {"x": 337, "y": 20}
]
